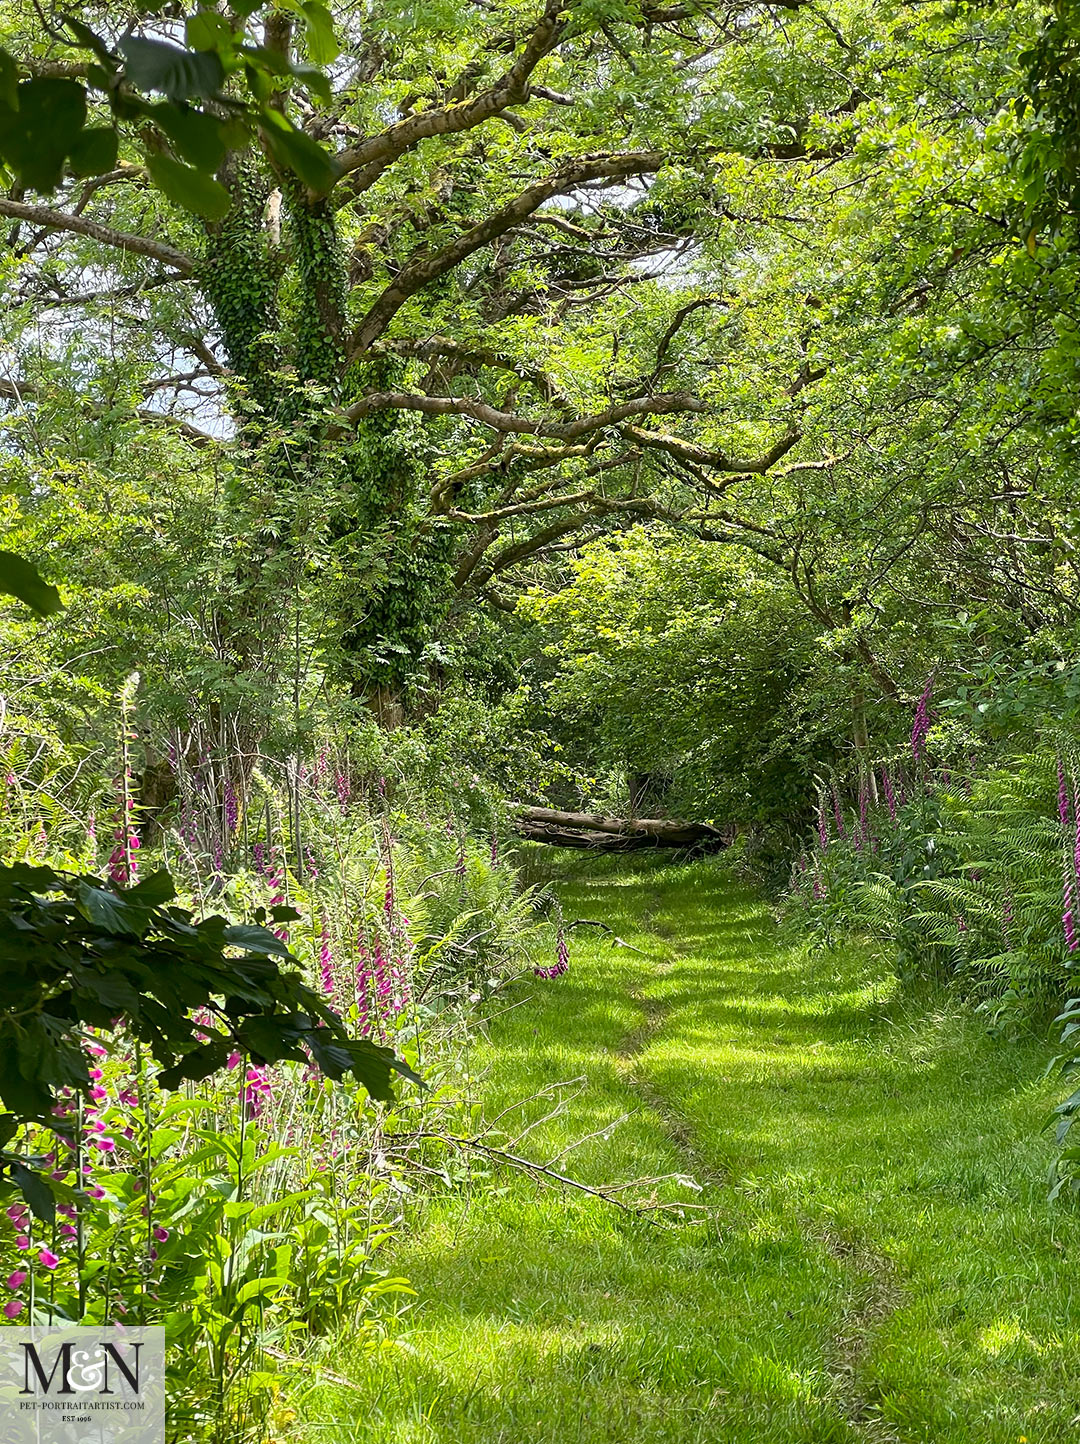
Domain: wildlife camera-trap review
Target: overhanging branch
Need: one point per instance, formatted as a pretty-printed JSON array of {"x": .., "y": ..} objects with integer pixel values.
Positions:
[
  {"x": 54, "y": 220},
  {"x": 419, "y": 273},
  {"x": 508, "y": 422},
  {"x": 366, "y": 161}
]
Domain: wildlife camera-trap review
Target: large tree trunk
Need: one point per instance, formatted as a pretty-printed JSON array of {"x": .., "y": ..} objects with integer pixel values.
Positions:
[{"x": 588, "y": 829}]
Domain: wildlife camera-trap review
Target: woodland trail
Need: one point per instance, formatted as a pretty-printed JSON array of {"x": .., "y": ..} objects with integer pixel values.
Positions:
[{"x": 874, "y": 1261}]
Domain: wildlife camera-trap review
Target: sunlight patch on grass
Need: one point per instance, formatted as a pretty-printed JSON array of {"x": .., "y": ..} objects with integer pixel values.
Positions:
[{"x": 877, "y": 1260}]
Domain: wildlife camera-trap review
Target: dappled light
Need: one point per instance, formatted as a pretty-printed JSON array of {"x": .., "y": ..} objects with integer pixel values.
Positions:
[{"x": 539, "y": 721}]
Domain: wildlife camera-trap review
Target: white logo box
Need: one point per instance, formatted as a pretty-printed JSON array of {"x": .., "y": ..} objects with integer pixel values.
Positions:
[{"x": 68, "y": 1384}]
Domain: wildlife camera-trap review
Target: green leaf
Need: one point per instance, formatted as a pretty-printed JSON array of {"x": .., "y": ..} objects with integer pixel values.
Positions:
[
  {"x": 208, "y": 31},
  {"x": 297, "y": 152},
  {"x": 112, "y": 990},
  {"x": 259, "y": 83},
  {"x": 35, "y": 1190},
  {"x": 268, "y": 1038},
  {"x": 108, "y": 911},
  {"x": 21, "y": 877},
  {"x": 89, "y": 40},
  {"x": 9, "y": 81},
  {"x": 94, "y": 151},
  {"x": 189, "y": 187},
  {"x": 321, "y": 40},
  {"x": 256, "y": 940},
  {"x": 314, "y": 81},
  {"x": 26, "y": 1097},
  {"x": 196, "y": 1065},
  {"x": 19, "y": 578},
  {"x": 372, "y": 1065},
  {"x": 265, "y": 66},
  {"x": 153, "y": 890},
  {"x": 179, "y": 74},
  {"x": 36, "y": 138},
  {"x": 197, "y": 137}
]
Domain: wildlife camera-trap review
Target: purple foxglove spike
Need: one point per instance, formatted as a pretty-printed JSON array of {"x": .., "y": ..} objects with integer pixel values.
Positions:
[
  {"x": 232, "y": 809},
  {"x": 838, "y": 815},
  {"x": 326, "y": 961},
  {"x": 921, "y": 724}
]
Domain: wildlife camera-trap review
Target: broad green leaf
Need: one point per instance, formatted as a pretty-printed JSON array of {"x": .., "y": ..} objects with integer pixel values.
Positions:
[
  {"x": 9, "y": 81},
  {"x": 35, "y": 1190},
  {"x": 256, "y": 940},
  {"x": 259, "y": 82},
  {"x": 154, "y": 890},
  {"x": 179, "y": 74},
  {"x": 319, "y": 25},
  {"x": 107, "y": 910},
  {"x": 297, "y": 152},
  {"x": 197, "y": 1064},
  {"x": 314, "y": 81},
  {"x": 36, "y": 139},
  {"x": 267, "y": 1038},
  {"x": 94, "y": 151},
  {"x": 264, "y": 65},
  {"x": 19, "y": 578},
  {"x": 89, "y": 39},
  {"x": 196, "y": 137},
  {"x": 22, "y": 877},
  {"x": 260, "y": 1289},
  {"x": 26, "y": 1097},
  {"x": 207, "y": 30},
  {"x": 189, "y": 187},
  {"x": 112, "y": 990}
]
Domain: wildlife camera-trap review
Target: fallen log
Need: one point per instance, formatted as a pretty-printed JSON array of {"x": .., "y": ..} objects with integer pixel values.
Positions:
[{"x": 613, "y": 834}]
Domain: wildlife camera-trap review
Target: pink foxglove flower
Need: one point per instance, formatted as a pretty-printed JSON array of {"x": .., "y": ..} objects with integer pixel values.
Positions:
[
  {"x": 232, "y": 809},
  {"x": 838, "y": 816},
  {"x": 326, "y": 960},
  {"x": 921, "y": 724},
  {"x": 822, "y": 824}
]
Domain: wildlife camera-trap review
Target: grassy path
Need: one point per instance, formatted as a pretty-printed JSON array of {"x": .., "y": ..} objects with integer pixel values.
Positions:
[{"x": 876, "y": 1263}]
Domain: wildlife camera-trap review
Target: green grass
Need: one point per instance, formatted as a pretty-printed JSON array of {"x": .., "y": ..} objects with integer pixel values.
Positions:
[{"x": 876, "y": 1262}]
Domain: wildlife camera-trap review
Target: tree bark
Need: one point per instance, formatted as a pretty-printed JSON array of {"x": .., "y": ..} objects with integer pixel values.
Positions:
[{"x": 588, "y": 829}]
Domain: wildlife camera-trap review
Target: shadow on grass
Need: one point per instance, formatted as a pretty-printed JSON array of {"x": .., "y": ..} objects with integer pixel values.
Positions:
[{"x": 859, "y": 1133}]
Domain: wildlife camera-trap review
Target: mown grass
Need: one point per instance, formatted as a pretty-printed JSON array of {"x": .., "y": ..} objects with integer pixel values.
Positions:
[{"x": 876, "y": 1260}]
